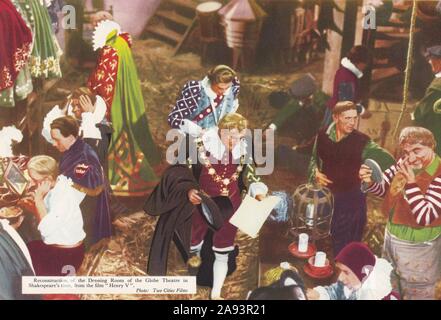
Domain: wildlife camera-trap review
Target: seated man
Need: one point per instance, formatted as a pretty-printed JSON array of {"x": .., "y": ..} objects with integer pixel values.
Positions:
[
  {"x": 15, "y": 260},
  {"x": 57, "y": 205},
  {"x": 363, "y": 276},
  {"x": 301, "y": 110}
]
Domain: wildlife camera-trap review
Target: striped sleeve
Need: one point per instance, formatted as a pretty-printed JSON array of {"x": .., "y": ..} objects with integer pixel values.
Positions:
[
  {"x": 379, "y": 189},
  {"x": 425, "y": 208}
]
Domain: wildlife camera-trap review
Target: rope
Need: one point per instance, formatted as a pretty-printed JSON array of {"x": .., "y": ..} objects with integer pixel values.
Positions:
[{"x": 408, "y": 65}]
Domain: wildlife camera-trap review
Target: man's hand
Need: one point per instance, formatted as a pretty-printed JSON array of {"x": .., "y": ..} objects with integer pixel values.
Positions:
[
  {"x": 365, "y": 174},
  {"x": 321, "y": 178},
  {"x": 406, "y": 170},
  {"x": 42, "y": 190},
  {"x": 194, "y": 197},
  {"x": 312, "y": 294},
  {"x": 86, "y": 104}
]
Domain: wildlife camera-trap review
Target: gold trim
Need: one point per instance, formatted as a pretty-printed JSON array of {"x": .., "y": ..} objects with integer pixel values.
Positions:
[{"x": 89, "y": 192}]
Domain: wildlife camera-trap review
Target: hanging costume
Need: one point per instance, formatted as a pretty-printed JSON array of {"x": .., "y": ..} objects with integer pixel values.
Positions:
[
  {"x": 15, "y": 49},
  {"x": 46, "y": 52},
  {"x": 115, "y": 78}
]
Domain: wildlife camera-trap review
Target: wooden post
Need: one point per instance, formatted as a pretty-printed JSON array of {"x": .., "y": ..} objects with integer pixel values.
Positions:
[
  {"x": 368, "y": 40},
  {"x": 333, "y": 55},
  {"x": 349, "y": 26}
]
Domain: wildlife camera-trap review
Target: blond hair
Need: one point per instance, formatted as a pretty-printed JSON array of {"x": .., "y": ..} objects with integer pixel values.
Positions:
[
  {"x": 233, "y": 121},
  {"x": 343, "y": 106},
  {"x": 221, "y": 74},
  {"x": 414, "y": 135},
  {"x": 44, "y": 165}
]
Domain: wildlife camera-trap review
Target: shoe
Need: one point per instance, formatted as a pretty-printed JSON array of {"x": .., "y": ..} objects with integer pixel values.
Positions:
[
  {"x": 194, "y": 262},
  {"x": 193, "y": 265}
]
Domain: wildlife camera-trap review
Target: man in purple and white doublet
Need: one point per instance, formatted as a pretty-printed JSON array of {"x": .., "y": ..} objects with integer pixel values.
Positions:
[{"x": 202, "y": 104}]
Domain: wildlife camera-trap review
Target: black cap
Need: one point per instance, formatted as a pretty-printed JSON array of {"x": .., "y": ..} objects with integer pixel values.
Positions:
[
  {"x": 434, "y": 52},
  {"x": 303, "y": 87}
]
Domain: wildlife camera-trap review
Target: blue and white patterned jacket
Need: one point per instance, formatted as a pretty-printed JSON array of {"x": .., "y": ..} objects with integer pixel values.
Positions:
[{"x": 195, "y": 104}]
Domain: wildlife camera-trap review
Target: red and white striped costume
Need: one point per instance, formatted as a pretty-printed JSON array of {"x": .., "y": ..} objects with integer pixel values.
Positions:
[{"x": 425, "y": 207}]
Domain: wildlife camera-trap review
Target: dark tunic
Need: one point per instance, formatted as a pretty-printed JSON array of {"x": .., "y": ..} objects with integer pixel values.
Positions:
[
  {"x": 342, "y": 160},
  {"x": 81, "y": 164},
  {"x": 341, "y": 163}
]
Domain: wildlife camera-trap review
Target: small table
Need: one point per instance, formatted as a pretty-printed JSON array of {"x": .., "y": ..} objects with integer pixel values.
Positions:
[{"x": 273, "y": 249}]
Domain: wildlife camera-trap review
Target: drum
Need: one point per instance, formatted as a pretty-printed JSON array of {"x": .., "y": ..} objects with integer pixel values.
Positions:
[{"x": 207, "y": 13}]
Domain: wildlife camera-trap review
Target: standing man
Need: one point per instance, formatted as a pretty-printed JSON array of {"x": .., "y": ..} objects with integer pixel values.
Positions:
[
  {"x": 412, "y": 201},
  {"x": 338, "y": 154},
  {"x": 427, "y": 114},
  {"x": 80, "y": 163},
  {"x": 347, "y": 81},
  {"x": 202, "y": 104}
]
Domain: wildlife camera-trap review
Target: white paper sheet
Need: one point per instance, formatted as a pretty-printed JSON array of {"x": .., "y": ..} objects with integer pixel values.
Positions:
[{"x": 252, "y": 214}]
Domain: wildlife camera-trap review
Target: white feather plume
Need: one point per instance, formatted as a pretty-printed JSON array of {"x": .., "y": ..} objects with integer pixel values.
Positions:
[
  {"x": 8, "y": 135},
  {"x": 102, "y": 30}
]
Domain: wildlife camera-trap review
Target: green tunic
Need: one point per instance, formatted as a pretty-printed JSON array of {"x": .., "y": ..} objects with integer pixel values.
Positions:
[{"x": 424, "y": 114}]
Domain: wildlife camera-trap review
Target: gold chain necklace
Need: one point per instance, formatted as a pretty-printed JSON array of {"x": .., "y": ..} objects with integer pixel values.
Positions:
[{"x": 224, "y": 182}]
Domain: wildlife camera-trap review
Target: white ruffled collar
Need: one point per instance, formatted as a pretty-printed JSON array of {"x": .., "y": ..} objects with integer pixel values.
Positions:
[
  {"x": 102, "y": 31},
  {"x": 345, "y": 62},
  {"x": 7, "y": 136},
  {"x": 214, "y": 145},
  {"x": 206, "y": 84},
  {"x": 46, "y": 3},
  {"x": 377, "y": 284}
]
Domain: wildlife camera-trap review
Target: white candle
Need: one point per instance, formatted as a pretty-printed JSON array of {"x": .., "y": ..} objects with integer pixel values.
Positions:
[
  {"x": 310, "y": 214},
  {"x": 303, "y": 242},
  {"x": 320, "y": 259}
]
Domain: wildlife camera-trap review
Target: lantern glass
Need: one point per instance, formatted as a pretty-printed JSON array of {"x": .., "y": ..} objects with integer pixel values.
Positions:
[{"x": 312, "y": 211}]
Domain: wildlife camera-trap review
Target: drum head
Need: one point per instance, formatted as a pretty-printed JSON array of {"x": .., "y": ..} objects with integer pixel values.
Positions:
[
  {"x": 210, "y": 6},
  {"x": 377, "y": 173}
]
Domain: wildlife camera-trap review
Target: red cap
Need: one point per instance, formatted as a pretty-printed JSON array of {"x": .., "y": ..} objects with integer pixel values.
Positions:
[{"x": 356, "y": 256}]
